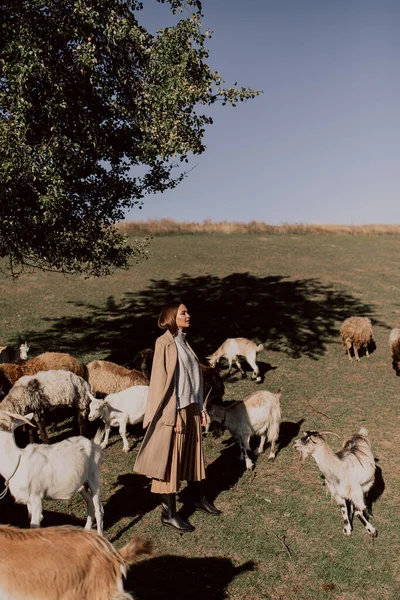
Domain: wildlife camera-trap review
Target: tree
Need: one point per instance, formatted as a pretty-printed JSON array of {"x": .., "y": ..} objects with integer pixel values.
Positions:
[{"x": 87, "y": 93}]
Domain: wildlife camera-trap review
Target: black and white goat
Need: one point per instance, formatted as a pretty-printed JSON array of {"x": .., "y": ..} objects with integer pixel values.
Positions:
[
  {"x": 349, "y": 473},
  {"x": 258, "y": 414}
]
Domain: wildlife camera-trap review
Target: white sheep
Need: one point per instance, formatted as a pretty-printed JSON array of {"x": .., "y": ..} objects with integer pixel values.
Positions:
[
  {"x": 121, "y": 409},
  {"x": 56, "y": 472},
  {"x": 349, "y": 473},
  {"x": 48, "y": 390},
  {"x": 65, "y": 563},
  {"x": 394, "y": 347},
  {"x": 258, "y": 414},
  {"x": 106, "y": 377},
  {"x": 356, "y": 333},
  {"x": 232, "y": 348}
]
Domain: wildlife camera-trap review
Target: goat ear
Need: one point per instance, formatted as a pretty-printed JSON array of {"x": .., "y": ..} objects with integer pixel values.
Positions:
[{"x": 19, "y": 420}]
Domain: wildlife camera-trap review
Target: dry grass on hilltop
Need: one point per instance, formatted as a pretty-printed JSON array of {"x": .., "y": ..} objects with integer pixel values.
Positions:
[{"x": 170, "y": 226}]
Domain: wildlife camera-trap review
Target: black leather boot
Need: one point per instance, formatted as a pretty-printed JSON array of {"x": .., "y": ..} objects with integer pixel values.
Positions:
[
  {"x": 201, "y": 503},
  {"x": 170, "y": 517}
]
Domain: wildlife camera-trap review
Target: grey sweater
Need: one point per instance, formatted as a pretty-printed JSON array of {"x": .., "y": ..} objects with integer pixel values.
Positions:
[{"x": 188, "y": 377}]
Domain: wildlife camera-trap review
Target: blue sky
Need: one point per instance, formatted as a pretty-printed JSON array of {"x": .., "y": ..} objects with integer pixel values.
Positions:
[{"x": 322, "y": 144}]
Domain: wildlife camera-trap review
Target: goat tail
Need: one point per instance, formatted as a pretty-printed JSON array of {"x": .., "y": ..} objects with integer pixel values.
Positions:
[
  {"x": 274, "y": 421},
  {"x": 363, "y": 431},
  {"x": 137, "y": 546},
  {"x": 98, "y": 438},
  {"x": 260, "y": 348}
]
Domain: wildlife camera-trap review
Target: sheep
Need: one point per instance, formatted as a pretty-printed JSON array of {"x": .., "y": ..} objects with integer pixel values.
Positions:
[
  {"x": 64, "y": 563},
  {"x": 349, "y": 473},
  {"x": 10, "y": 373},
  {"x": 394, "y": 346},
  {"x": 232, "y": 348},
  {"x": 55, "y": 472},
  {"x": 106, "y": 377},
  {"x": 356, "y": 332},
  {"x": 47, "y": 390},
  {"x": 122, "y": 408},
  {"x": 258, "y": 414},
  {"x": 9, "y": 354}
]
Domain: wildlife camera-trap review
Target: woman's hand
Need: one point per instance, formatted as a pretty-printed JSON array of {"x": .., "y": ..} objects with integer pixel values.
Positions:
[
  {"x": 204, "y": 418},
  {"x": 179, "y": 425}
]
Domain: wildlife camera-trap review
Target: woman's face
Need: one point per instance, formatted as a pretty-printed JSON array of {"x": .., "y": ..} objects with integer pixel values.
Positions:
[{"x": 182, "y": 318}]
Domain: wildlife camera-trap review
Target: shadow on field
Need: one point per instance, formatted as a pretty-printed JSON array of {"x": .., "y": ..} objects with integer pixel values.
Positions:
[
  {"x": 377, "y": 489},
  {"x": 181, "y": 578},
  {"x": 298, "y": 317}
]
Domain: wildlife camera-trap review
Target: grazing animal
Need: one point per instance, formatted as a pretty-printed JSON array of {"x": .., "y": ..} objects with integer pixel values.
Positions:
[
  {"x": 356, "y": 333},
  {"x": 64, "y": 563},
  {"x": 144, "y": 360},
  {"x": 120, "y": 409},
  {"x": 10, "y": 373},
  {"x": 349, "y": 473},
  {"x": 9, "y": 354},
  {"x": 48, "y": 390},
  {"x": 55, "y": 472},
  {"x": 232, "y": 348},
  {"x": 394, "y": 346},
  {"x": 106, "y": 377},
  {"x": 258, "y": 414}
]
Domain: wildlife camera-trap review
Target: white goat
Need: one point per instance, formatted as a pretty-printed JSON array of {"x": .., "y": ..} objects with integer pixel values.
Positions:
[
  {"x": 65, "y": 563},
  {"x": 258, "y": 414},
  {"x": 348, "y": 474},
  {"x": 120, "y": 409},
  {"x": 54, "y": 472},
  {"x": 232, "y": 348}
]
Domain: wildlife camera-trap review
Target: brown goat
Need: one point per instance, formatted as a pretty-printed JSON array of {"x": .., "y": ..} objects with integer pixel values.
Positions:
[
  {"x": 356, "y": 332},
  {"x": 65, "y": 563},
  {"x": 10, "y": 373},
  {"x": 106, "y": 377}
]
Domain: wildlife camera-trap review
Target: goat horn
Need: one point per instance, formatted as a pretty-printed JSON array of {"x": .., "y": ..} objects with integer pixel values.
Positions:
[
  {"x": 15, "y": 416},
  {"x": 328, "y": 432},
  {"x": 206, "y": 400}
]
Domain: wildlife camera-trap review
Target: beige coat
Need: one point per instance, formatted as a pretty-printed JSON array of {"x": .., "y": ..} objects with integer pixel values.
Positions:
[{"x": 160, "y": 415}]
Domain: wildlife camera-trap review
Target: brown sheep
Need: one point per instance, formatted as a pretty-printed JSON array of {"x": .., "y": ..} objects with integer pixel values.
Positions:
[
  {"x": 356, "y": 332},
  {"x": 10, "y": 373},
  {"x": 106, "y": 377},
  {"x": 394, "y": 346}
]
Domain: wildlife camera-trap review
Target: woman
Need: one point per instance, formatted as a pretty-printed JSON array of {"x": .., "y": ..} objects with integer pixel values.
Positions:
[{"x": 172, "y": 449}]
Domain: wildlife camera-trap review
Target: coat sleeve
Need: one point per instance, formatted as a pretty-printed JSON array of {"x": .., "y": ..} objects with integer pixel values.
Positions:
[{"x": 158, "y": 379}]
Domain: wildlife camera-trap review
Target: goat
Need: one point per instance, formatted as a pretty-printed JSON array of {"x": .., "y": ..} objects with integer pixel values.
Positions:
[
  {"x": 258, "y": 414},
  {"x": 48, "y": 390},
  {"x": 394, "y": 346},
  {"x": 10, "y": 354},
  {"x": 106, "y": 377},
  {"x": 356, "y": 333},
  {"x": 64, "y": 563},
  {"x": 54, "y": 472},
  {"x": 232, "y": 348},
  {"x": 10, "y": 373},
  {"x": 144, "y": 361},
  {"x": 349, "y": 473},
  {"x": 122, "y": 408}
]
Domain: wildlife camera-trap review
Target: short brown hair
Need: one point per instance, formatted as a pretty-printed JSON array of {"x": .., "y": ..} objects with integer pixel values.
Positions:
[{"x": 167, "y": 317}]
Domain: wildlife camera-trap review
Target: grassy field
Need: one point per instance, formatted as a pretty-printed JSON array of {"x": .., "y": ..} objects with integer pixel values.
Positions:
[{"x": 280, "y": 537}]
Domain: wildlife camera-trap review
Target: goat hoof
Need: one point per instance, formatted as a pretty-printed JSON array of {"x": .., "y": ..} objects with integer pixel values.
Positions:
[
  {"x": 126, "y": 450},
  {"x": 347, "y": 532},
  {"x": 271, "y": 456}
]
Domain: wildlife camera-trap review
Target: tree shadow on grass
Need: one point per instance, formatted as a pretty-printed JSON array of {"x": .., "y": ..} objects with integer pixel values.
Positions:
[
  {"x": 180, "y": 578},
  {"x": 297, "y": 317}
]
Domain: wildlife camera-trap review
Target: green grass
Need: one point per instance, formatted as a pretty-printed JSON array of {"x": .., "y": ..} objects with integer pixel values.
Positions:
[{"x": 279, "y": 537}]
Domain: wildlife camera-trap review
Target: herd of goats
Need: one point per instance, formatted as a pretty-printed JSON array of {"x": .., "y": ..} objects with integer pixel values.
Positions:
[{"x": 31, "y": 389}]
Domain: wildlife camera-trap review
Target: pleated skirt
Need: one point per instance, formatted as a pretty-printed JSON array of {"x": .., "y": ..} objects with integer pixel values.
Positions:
[{"x": 186, "y": 460}]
